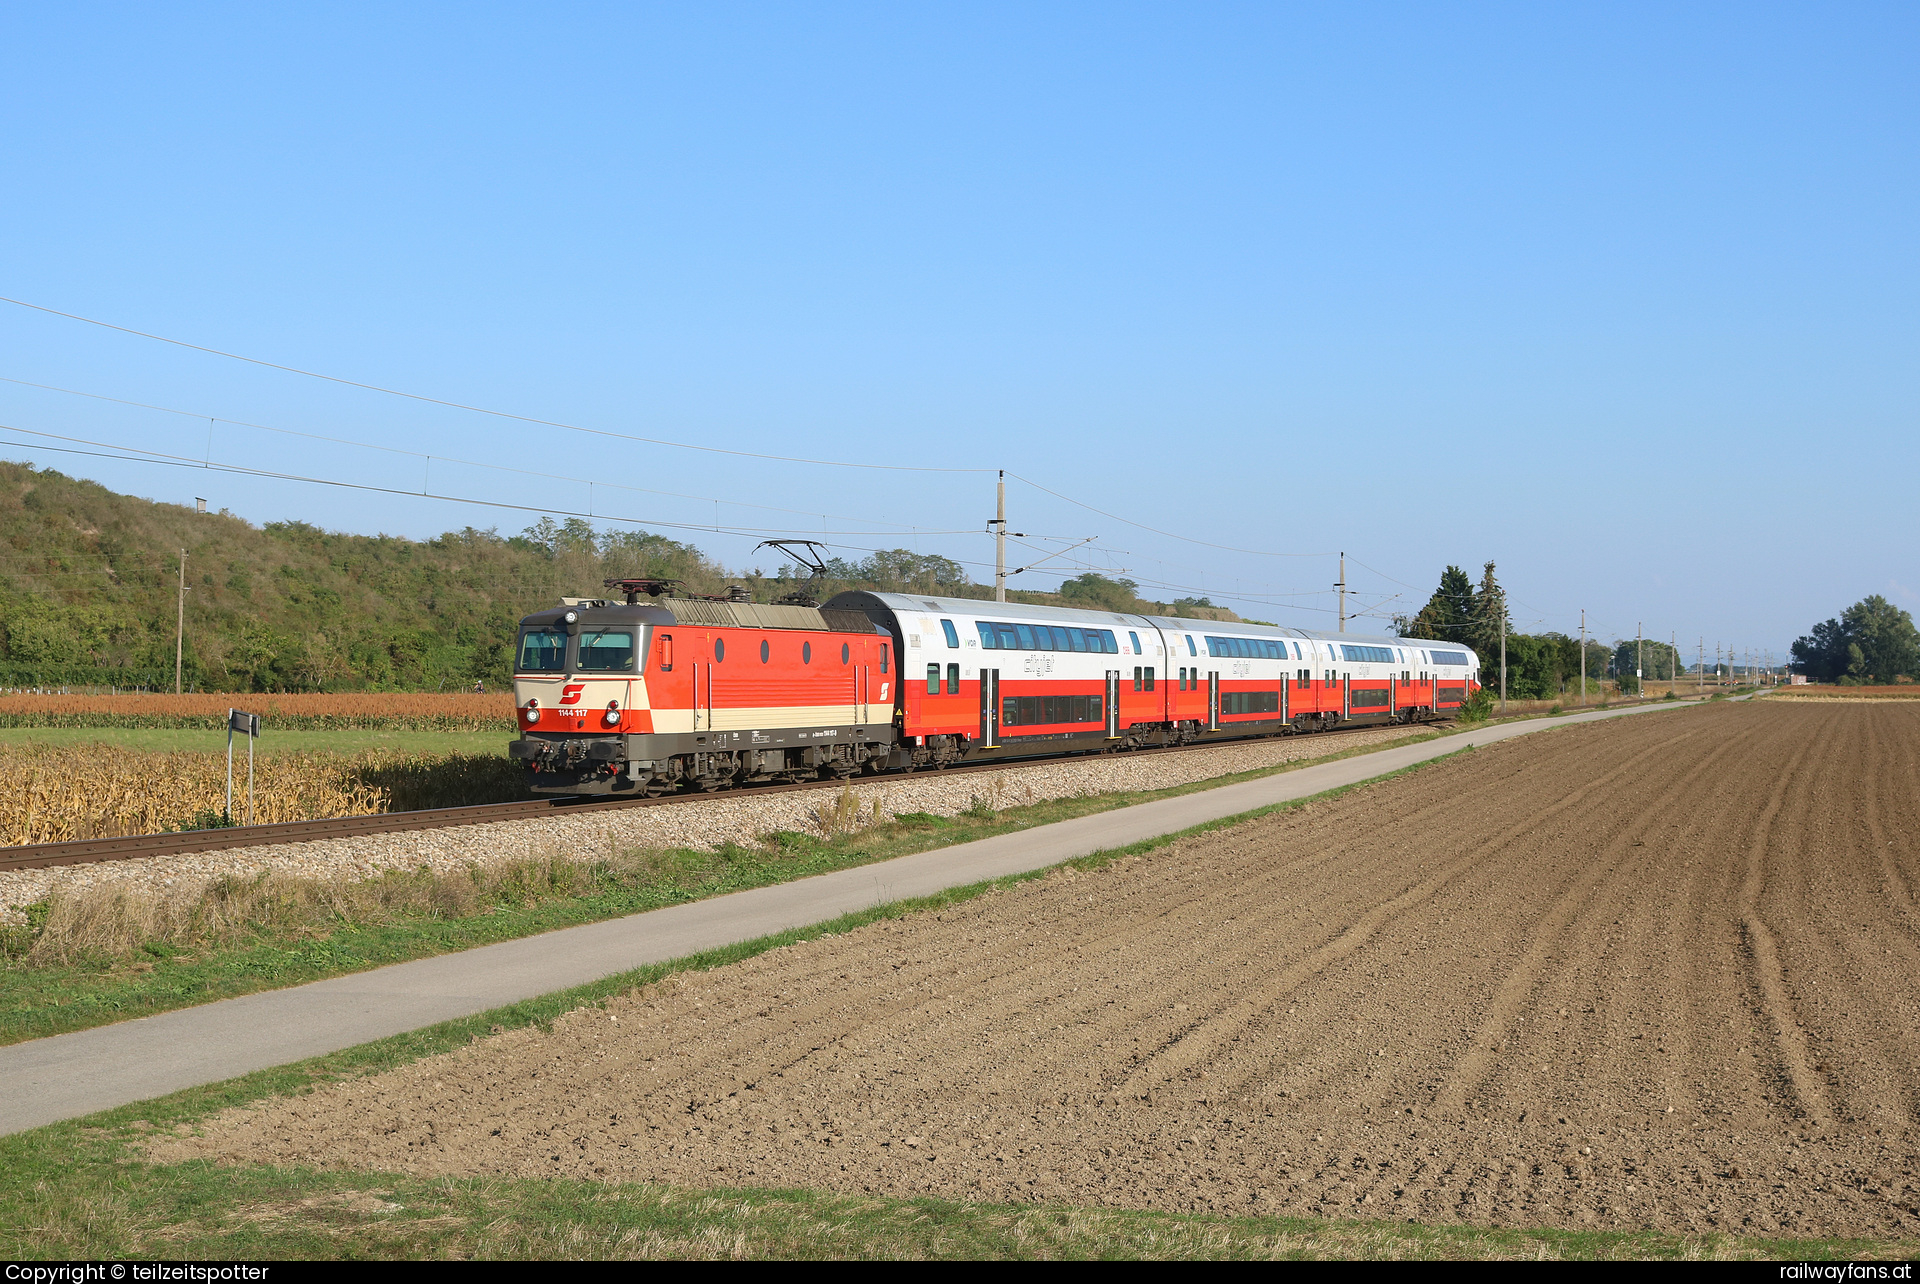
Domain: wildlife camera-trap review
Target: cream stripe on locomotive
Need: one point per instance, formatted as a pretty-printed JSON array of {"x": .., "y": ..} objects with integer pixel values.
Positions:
[{"x": 767, "y": 717}]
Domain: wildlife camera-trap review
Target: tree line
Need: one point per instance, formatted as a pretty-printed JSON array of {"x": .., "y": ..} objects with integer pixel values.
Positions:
[
  {"x": 89, "y": 587},
  {"x": 1873, "y": 641},
  {"x": 1540, "y": 666}
]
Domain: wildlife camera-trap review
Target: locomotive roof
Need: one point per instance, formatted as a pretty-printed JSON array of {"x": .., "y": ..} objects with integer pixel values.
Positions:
[
  {"x": 1014, "y": 612},
  {"x": 667, "y": 612}
]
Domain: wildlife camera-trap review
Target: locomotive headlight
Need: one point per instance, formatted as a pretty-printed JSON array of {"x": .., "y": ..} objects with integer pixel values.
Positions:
[
  {"x": 613, "y": 712},
  {"x": 533, "y": 711},
  {"x": 573, "y": 617}
]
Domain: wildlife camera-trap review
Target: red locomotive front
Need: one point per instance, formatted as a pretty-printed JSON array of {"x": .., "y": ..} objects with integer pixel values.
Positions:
[{"x": 645, "y": 697}]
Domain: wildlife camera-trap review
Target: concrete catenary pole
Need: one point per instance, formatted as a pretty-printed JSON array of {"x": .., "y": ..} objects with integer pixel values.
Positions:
[
  {"x": 1342, "y": 586},
  {"x": 180, "y": 624},
  {"x": 1000, "y": 542},
  {"x": 1640, "y": 658},
  {"x": 1583, "y": 655}
]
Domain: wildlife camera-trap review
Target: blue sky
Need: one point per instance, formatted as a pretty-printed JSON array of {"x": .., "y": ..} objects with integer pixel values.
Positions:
[{"x": 1621, "y": 297}]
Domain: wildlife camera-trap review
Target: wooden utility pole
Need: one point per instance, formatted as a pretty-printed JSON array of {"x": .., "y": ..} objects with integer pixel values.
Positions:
[{"x": 180, "y": 624}]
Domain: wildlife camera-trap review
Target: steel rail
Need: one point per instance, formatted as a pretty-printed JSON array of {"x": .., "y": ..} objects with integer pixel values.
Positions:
[{"x": 133, "y": 847}]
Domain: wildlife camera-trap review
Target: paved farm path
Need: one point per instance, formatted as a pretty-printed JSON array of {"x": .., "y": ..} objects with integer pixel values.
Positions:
[{"x": 76, "y": 1074}]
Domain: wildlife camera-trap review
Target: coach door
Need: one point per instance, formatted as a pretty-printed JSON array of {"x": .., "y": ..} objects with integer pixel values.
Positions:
[
  {"x": 1113, "y": 704},
  {"x": 989, "y": 708},
  {"x": 1213, "y": 701}
]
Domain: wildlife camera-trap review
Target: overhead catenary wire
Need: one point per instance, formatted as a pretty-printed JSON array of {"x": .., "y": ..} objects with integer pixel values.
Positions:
[
  {"x": 135, "y": 454},
  {"x": 416, "y": 454},
  {"x": 485, "y": 410}
]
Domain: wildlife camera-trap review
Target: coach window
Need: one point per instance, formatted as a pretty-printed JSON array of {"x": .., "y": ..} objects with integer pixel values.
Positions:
[
  {"x": 1190, "y": 650},
  {"x": 843, "y": 653},
  {"x": 953, "y": 679},
  {"x": 933, "y": 679},
  {"x": 719, "y": 649},
  {"x": 1135, "y": 639},
  {"x": 764, "y": 650},
  {"x": 1138, "y": 677},
  {"x": 1009, "y": 640},
  {"x": 953, "y": 634},
  {"x": 1024, "y": 634},
  {"x": 1149, "y": 677},
  {"x": 666, "y": 653},
  {"x": 806, "y": 653}
]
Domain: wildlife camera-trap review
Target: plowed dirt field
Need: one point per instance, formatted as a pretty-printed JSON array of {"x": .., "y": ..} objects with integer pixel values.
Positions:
[{"x": 1658, "y": 971}]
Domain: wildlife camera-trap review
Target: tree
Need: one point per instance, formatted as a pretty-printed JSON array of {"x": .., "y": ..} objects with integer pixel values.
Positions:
[
  {"x": 1872, "y": 641},
  {"x": 1487, "y": 618},
  {"x": 1662, "y": 661},
  {"x": 1444, "y": 617},
  {"x": 1096, "y": 591}
]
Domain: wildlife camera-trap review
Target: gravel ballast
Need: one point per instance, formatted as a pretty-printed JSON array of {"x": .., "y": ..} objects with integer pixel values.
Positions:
[{"x": 742, "y": 817}]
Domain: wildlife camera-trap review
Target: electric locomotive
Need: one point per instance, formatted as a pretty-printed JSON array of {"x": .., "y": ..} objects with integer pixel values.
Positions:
[{"x": 682, "y": 692}]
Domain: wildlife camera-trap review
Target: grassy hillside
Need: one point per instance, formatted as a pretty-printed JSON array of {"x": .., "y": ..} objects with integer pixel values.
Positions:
[{"x": 88, "y": 582}]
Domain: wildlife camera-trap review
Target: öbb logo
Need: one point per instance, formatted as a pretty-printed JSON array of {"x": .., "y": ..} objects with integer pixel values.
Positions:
[{"x": 570, "y": 694}]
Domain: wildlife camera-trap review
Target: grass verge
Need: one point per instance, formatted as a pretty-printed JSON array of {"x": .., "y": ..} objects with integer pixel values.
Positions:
[
  {"x": 83, "y": 1189},
  {"x": 261, "y": 934},
  {"x": 105, "y": 1207}
]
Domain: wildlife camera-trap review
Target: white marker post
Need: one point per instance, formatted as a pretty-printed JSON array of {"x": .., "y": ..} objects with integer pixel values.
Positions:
[{"x": 248, "y": 725}]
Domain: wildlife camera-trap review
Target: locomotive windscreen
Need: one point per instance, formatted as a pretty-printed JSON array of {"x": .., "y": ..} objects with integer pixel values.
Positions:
[{"x": 542, "y": 651}]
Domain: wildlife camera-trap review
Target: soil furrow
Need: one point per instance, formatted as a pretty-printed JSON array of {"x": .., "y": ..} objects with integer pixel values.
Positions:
[{"x": 1297, "y": 1015}]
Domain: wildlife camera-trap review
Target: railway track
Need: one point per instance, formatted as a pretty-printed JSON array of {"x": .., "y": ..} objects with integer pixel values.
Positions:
[{"x": 87, "y": 850}]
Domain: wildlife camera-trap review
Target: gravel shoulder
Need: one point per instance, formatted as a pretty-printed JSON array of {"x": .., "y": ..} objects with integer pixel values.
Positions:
[
  {"x": 1647, "y": 972},
  {"x": 741, "y": 817}
]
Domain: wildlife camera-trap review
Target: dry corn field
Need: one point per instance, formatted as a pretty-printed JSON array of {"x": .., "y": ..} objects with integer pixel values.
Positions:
[
  {"x": 59, "y": 793},
  {"x": 366, "y": 710}
]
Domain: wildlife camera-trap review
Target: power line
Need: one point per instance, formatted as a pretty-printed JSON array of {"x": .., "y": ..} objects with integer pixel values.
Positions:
[
  {"x": 481, "y": 410},
  {"x": 1228, "y": 548},
  {"x": 417, "y": 454},
  {"x": 134, "y": 454}
]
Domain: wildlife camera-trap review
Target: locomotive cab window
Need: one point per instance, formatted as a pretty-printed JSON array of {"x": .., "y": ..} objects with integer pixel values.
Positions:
[
  {"x": 606, "y": 651},
  {"x": 543, "y": 651}
]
